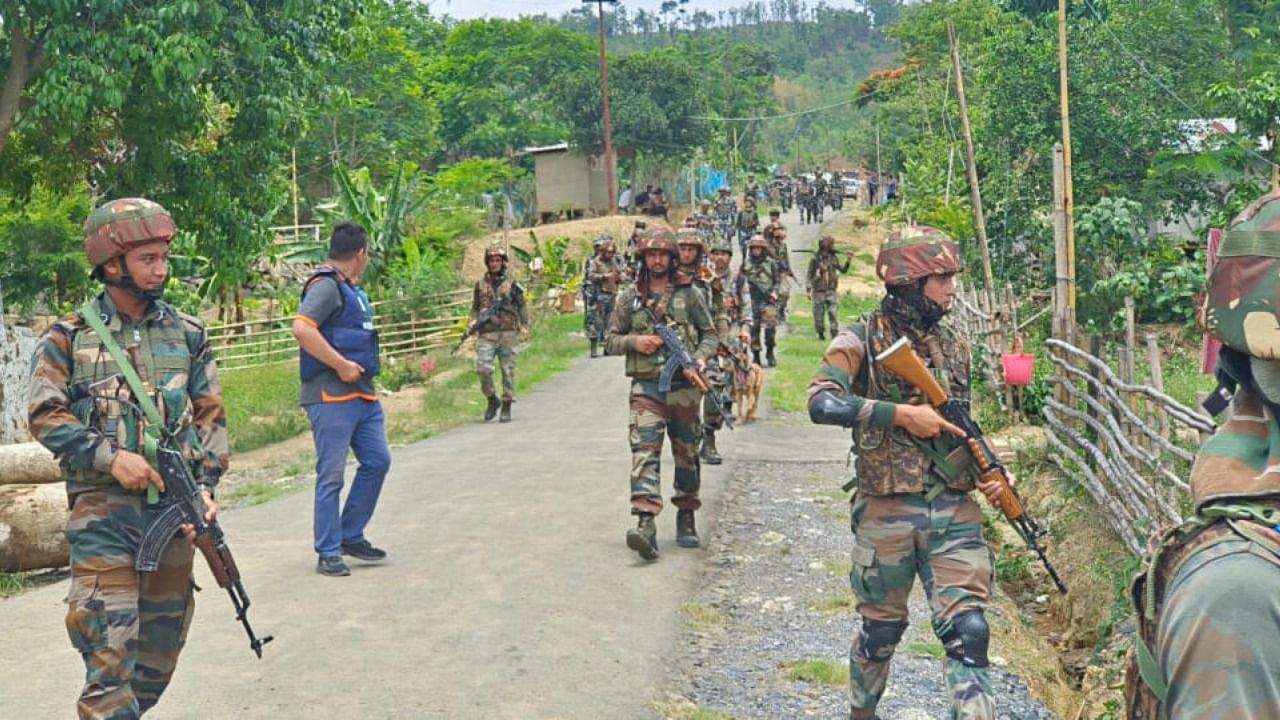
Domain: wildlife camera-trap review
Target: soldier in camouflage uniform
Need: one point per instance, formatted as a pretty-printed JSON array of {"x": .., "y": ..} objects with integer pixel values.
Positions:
[
  {"x": 776, "y": 235},
  {"x": 128, "y": 626},
  {"x": 912, "y": 512},
  {"x": 605, "y": 273},
  {"x": 763, "y": 276},
  {"x": 1208, "y": 644},
  {"x": 824, "y": 284},
  {"x": 631, "y": 255},
  {"x": 730, "y": 304},
  {"x": 726, "y": 213},
  {"x": 661, "y": 294},
  {"x": 500, "y": 335},
  {"x": 747, "y": 223}
]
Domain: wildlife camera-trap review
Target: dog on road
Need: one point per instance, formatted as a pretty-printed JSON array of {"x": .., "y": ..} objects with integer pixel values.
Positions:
[{"x": 748, "y": 381}]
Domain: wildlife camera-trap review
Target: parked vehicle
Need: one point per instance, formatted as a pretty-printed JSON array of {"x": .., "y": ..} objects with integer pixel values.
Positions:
[{"x": 850, "y": 187}]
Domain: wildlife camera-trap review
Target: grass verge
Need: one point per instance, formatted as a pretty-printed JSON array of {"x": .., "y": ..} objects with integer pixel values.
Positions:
[
  {"x": 818, "y": 672},
  {"x": 841, "y": 604},
  {"x": 685, "y": 710},
  {"x": 800, "y": 352},
  {"x": 701, "y": 617}
]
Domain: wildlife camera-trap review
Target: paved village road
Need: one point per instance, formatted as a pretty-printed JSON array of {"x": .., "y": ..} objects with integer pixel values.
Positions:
[{"x": 509, "y": 592}]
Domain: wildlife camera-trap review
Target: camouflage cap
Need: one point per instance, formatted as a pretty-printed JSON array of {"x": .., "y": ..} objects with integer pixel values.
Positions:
[
  {"x": 121, "y": 225},
  {"x": 914, "y": 252},
  {"x": 658, "y": 238},
  {"x": 721, "y": 244},
  {"x": 1242, "y": 306}
]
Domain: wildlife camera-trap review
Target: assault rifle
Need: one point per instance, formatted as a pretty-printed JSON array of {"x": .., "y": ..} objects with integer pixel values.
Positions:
[
  {"x": 184, "y": 504},
  {"x": 485, "y": 316},
  {"x": 679, "y": 358},
  {"x": 903, "y": 361}
]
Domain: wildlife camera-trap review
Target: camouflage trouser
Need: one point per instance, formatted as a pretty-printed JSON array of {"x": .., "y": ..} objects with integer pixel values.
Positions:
[
  {"x": 825, "y": 306},
  {"x": 598, "y": 316},
  {"x": 897, "y": 537},
  {"x": 654, "y": 414},
  {"x": 764, "y": 316},
  {"x": 503, "y": 345},
  {"x": 722, "y": 381},
  {"x": 784, "y": 297},
  {"x": 1218, "y": 640},
  {"x": 128, "y": 626}
]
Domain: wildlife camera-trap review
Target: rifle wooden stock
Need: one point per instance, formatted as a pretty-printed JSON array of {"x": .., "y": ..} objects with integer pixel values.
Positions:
[{"x": 901, "y": 360}]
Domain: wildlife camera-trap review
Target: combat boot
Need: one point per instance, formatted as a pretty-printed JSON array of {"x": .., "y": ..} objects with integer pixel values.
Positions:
[
  {"x": 643, "y": 538},
  {"x": 755, "y": 356},
  {"x": 491, "y": 410},
  {"x": 821, "y": 336},
  {"x": 686, "y": 530},
  {"x": 709, "y": 454},
  {"x": 595, "y": 345},
  {"x": 768, "y": 356},
  {"x": 506, "y": 411}
]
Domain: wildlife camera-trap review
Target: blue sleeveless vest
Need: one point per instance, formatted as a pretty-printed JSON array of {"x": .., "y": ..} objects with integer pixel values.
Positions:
[{"x": 352, "y": 334}]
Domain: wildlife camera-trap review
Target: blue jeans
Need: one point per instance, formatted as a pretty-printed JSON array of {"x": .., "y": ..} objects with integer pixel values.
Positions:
[{"x": 360, "y": 426}]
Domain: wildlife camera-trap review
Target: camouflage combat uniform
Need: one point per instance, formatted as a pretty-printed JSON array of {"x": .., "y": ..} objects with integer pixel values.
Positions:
[
  {"x": 912, "y": 512},
  {"x": 501, "y": 334},
  {"x": 763, "y": 275},
  {"x": 655, "y": 413},
  {"x": 776, "y": 235},
  {"x": 824, "y": 282},
  {"x": 128, "y": 626},
  {"x": 1209, "y": 595},
  {"x": 601, "y": 271},
  {"x": 747, "y": 224}
]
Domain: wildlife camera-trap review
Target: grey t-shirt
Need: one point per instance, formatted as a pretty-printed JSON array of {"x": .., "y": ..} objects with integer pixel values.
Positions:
[{"x": 321, "y": 304}]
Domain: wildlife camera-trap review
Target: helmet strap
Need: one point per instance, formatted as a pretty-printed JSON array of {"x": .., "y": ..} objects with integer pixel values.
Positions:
[{"x": 128, "y": 284}]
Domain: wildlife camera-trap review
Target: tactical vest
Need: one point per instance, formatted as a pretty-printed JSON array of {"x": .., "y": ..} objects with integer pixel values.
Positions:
[
  {"x": 101, "y": 398},
  {"x": 763, "y": 277},
  {"x": 826, "y": 276},
  {"x": 680, "y": 309},
  {"x": 889, "y": 459},
  {"x": 599, "y": 266},
  {"x": 352, "y": 334},
  {"x": 1145, "y": 684},
  {"x": 507, "y": 318}
]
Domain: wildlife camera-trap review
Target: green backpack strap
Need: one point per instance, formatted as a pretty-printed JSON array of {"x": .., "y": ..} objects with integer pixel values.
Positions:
[
  {"x": 1150, "y": 671},
  {"x": 89, "y": 311}
]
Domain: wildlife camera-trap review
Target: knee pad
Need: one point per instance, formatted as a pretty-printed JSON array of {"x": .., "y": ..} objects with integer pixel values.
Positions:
[
  {"x": 968, "y": 638},
  {"x": 880, "y": 638}
]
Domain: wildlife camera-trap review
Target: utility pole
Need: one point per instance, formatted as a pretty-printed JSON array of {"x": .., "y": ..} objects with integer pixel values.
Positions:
[
  {"x": 975, "y": 192},
  {"x": 610, "y": 180},
  {"x": 1068, "y": 204}
]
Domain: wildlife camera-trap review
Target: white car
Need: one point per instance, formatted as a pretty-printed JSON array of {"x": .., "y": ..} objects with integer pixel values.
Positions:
[{"x": 850, "y": 186}]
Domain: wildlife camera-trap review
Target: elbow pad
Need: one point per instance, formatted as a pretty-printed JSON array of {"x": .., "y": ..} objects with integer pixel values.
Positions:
[{"x": 827, "y": 408}]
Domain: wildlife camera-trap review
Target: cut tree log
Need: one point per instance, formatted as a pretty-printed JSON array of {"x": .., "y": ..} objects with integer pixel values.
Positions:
[
  {"x": 32, "y": 519},
  {"x": 26, "y": 463}
]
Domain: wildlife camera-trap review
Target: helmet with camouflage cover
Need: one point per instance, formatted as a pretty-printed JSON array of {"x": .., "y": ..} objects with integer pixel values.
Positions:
[
  {"x": 495, "y": 249},
  {"x": 1242, "y": 307},
  {"x": 121, "y": 225},
  {"x": 690, "y": 236},
  {"x": 721, "y": 244},
  {"x": 914, "y": 252},
  {"x": 658, "y": 238},
  {"x": 758, "y": 241},
  {"x": 826, "y": 242}
]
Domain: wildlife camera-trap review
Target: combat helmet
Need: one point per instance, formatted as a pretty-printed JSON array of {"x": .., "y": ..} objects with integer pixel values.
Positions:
[
  {"x": 658, "y": 238},
  {"x": 495, "y": 249},
  {"x": 914, "y": 252},
  {"x": 720, "y": 244},
  {"x": 1242, "y": 309},
  {"x": 758, "y": 241},
  {"x": 826, "y": 242},
  {"x": 690, "y": 236},
  {"x": 121, "y": 225}
]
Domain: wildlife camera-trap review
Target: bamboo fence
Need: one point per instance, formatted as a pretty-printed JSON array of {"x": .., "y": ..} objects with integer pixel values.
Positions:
[
  {"x": 1127, "y": 442},
  {"x": 406, "y": 327}
]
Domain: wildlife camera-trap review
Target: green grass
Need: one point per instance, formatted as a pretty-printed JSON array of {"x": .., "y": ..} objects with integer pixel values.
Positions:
[
  {"x": 932, "y": 649},
  {"x": 838, "y": 568},
  {"x": 800, "y": 352},
  {"x": 841, "y": 604},
  {"x": 12, "y": 583},
  {"x": 818, "y": 672},
  {"x": 701, "y": 617},
  {"x": 256, "y": 493},
  {"x": 1013, "y": 566},
  {"x": 1182, "y": 378},
  {"x": 262, "y": 406}
]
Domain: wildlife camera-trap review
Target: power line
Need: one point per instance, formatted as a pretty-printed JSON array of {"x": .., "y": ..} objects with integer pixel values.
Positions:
[
  {"x": 1244, "y": 142},
  {"x": 810, "y": 111}
]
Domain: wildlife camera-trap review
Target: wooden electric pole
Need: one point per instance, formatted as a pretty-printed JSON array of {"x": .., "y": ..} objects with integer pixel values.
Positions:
[
  {"x": 972, "y": 167},
  {"x": 610, "y": 180}
]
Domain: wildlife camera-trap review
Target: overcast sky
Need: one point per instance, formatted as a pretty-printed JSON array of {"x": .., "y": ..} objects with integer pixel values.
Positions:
[{"x": 466, "y": 9}]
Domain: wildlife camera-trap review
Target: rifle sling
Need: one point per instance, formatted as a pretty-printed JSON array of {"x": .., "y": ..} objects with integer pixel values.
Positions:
[{"x": 89, "y": 311}]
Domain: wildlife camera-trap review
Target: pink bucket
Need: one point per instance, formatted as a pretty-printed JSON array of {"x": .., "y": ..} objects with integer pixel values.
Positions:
[{"x": 1017, "y": 368}]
